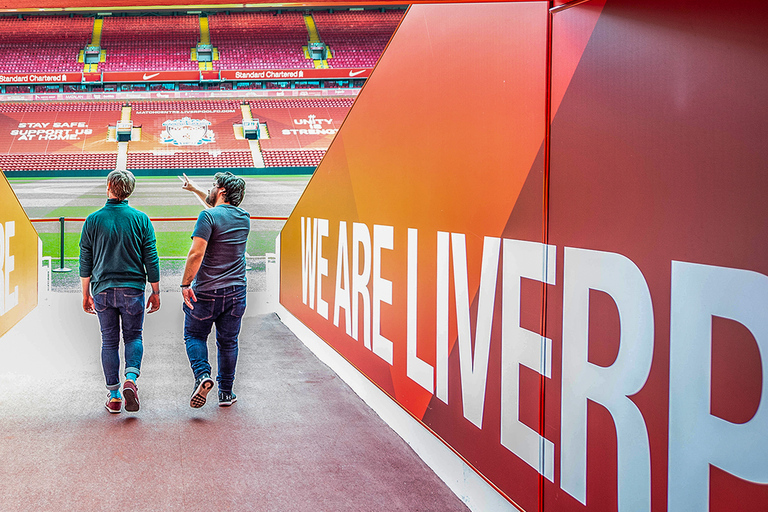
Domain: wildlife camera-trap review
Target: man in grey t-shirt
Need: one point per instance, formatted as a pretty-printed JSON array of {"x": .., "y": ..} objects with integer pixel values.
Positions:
[{"x": 214, "y": 285}]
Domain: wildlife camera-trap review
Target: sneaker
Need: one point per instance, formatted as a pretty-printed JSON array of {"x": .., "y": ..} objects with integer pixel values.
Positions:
[
  {"x": 226, "y": 398},
  {"x": 114, "y": 405},
  {"x": 131, "y": 396},
  {"x": 203, "y": 385}
]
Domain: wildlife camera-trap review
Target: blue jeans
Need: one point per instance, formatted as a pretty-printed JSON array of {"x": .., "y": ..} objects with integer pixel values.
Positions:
[
  {"x": 225, "y": 308},
  {"x": 116, "y": 306}
]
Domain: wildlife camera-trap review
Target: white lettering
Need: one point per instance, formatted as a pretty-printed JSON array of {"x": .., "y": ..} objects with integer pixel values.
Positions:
[
  {"x": 441, "y": 315},
  {"x": 383, "y": 238},
  {"x": 474, "y": 370},
  {"x": 10, "y": 299},
  {"x": 610, "y": 386},
  {"x": 520, "y": 346},
  {"x": 697, "y": 439},
  {"x": 341, "y": 298},
  {"x": 419, "y": 371},
  {"x": 321, "y": 231},
  {"x": 361, "y": 236},
  {"x": 308, "y": 264}
]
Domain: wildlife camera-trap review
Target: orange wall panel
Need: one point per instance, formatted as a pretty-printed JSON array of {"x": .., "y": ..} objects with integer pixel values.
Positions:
[{"x": 18, "y": 260}]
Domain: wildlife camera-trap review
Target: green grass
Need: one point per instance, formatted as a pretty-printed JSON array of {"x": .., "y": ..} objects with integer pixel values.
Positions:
[
  {"x": 169, "y": 243},
  {"x": 172, "y": 243}
]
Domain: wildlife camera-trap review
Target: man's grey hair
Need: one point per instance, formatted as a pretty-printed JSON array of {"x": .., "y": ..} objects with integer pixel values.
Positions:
[
  {"x": 234, "y": 187},
  {"x": 121, "y": 183}
]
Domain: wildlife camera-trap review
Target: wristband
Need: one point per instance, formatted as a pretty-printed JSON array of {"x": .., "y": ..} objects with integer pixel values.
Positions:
[{"x": 185, "y": 286}]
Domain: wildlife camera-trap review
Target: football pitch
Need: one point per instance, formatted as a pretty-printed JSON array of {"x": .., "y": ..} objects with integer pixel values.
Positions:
[{"x": 159, "y": 198}]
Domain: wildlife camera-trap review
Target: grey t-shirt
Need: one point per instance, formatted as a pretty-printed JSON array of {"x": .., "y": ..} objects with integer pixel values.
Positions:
[{"x": 226, "y": 228}]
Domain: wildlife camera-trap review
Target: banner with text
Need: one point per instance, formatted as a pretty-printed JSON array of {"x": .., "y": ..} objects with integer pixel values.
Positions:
[
  {"x": 18, "y": 260},
  {"x": 581, "y": 319}
]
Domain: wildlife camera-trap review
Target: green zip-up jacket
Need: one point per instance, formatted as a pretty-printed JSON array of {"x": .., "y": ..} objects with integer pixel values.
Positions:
[{"x": 117, "y": 248}]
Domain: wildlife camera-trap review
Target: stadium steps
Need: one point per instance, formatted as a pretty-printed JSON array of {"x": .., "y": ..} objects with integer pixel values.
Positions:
[
  {"x": 122, "y": 155},
  {"x": 98, "y": 23},
  {"x": 245, "y": 108},
  {"x": 205, "y": 34},
  {"x": 258, "y": 157},
  {"x": 314, "y": 37},
  {"x": 95, "y": 41},
  {"x": 125, "y": 113},
  {"x": 255, "y": 147}
]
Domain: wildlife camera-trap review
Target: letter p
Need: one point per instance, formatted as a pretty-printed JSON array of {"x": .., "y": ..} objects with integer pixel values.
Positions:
[{"x": 696, "y": 437}]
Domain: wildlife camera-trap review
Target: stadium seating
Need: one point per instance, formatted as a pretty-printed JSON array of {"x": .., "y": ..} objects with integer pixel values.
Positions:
[
  {"x": 245, "y": 40},
  {"x": 356, "y": 38},
  {"x": 84, "y": 106},
  {"x": 149, "y": 43},
  {"x": 302, "y": 103},
  {"x": 185, "y": 106},
  {"x": 190, "y": 160},
  {"x": 260, "y": 40},
  {"x": 57, "y": 161},
  {"x": 43, "y": 43},
  {"x": 293, "y": 158}
]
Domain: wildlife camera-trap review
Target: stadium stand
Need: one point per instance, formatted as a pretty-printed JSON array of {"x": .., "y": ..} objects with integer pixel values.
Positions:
[
  {"x": 57, "y": 161},
  {"x": 43, "y": 43},
  {"x": 356, "y": 38},
  {"x": 259, "y": 40},
  {"x": 149, "y": 43},
  {"x": 84, "y": 106},
  {"x": 190, "y": 106},
  {"x": 297, "y": 129},
  {"x": 303, "y": 103},
  {"x": 187, "y": 160},
  {"x": 293, "y": 158}
]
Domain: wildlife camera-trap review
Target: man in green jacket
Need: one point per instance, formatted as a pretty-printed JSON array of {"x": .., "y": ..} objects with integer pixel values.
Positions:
[{"x": 117, "y": 257}]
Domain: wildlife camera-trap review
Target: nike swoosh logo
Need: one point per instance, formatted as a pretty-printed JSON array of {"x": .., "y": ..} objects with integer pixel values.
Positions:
[
  {"x": 355, "y": 73},
  {"x": 150, "y": 77}
]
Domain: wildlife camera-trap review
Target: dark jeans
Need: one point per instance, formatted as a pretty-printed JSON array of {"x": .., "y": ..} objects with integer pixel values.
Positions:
[
  {"x": 116, "y": 306},
  {"x": 225, "y": 308}
]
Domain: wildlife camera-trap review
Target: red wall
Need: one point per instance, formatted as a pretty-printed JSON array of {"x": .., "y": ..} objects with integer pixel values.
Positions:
[{"x": 577, "y": 308}]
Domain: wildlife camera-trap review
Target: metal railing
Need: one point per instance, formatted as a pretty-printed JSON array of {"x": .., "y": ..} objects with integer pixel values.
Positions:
[{"x": 63, "y": 220}]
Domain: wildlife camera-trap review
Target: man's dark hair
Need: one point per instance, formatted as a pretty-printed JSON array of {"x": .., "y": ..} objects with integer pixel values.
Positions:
[
  {"x": 121, "y": 183},
  {"x": 234, "y": 187}
]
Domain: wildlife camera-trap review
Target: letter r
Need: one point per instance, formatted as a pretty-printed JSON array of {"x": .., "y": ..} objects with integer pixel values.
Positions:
[{"x": 610, "y": 386}]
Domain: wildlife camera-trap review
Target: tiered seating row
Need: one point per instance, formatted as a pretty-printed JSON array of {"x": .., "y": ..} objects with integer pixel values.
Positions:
[
  {"x": 187, "y": 160},
  {"x": 95, "y": 106},
  {"x": 57, "y": 161},
  {"x": 149, "y": 43},
  {"x": 303, "y": 103},
  {"x": 293, "y": 158},
  {"x": 190, "y": 106}
]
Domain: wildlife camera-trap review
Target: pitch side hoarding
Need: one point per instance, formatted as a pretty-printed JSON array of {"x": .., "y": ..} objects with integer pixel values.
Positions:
[{"x": 574, "y": 304}]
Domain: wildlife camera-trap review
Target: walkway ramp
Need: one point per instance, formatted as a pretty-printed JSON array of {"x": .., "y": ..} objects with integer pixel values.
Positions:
[{"x": 298, "y": 439}]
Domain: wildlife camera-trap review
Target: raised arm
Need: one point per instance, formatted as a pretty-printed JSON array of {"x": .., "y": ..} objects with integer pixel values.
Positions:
[{"x": 192, "y": 187}]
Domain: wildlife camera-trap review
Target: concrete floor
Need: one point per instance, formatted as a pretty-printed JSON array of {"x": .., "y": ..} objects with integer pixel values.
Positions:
[{"x": 298, "y": 439}]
